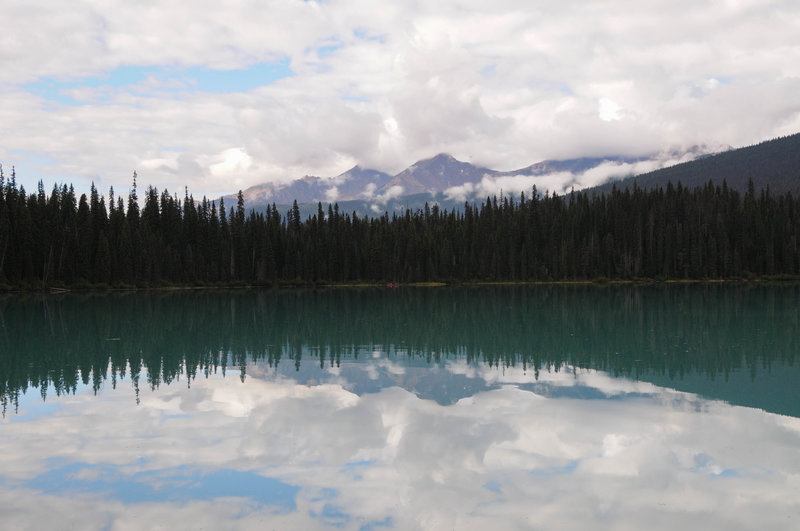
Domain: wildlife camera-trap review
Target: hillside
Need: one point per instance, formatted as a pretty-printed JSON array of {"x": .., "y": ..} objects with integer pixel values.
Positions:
[{"x": 774, "y": 163}]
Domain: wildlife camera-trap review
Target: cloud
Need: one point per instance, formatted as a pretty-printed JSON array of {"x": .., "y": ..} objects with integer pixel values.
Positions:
[
  {"x": 392, "y": 192},
  {"x": 460, "y": 193},
  {"x": 317, "y": 87},
  {"x": 563, "y": 182},
  {"x": 369, "y": 191},
  {"x": 331, "y": 194},
  {"x": 616, "y": 170}
]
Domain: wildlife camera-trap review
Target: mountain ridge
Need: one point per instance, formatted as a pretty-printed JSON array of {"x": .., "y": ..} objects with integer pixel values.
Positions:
[
  {"x": 433, "y": 176},
  {"x": 437, "y": 174},
  {"x": 773, "y": 163},
  {"x": 449, "y": 182}
]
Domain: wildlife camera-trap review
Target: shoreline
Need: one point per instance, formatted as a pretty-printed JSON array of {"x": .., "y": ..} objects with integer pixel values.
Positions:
[{"x": 91, "y": 288}]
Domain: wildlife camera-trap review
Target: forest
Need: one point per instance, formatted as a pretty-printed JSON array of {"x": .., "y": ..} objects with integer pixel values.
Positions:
[{"x": 62, "y": 240}]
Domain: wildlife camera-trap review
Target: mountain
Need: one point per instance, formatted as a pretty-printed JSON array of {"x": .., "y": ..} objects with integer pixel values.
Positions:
[
  {"x": 575, "y": 166},
  {"x": 774, "y": 163},
  {"x": 358, "y": 182},
  {"x": 436, "y": 175},
  {"x": 432, "y": 181},
  {"x": 355, "y": 183},
  {"x": 445, "y": 181}
]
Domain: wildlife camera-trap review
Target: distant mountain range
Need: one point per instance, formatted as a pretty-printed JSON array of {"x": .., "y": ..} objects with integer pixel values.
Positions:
[
  {"x": 433, "y": 176},
  {"x": 449, "y": 182},
  {"x": 441, "y": 179}
]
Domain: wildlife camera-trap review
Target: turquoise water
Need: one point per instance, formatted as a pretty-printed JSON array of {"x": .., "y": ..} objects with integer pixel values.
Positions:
[{"x": 513, "y": 407}]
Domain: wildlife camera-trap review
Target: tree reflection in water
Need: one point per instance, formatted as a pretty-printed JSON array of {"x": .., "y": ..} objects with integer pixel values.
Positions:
[{"x": 702, "y": 338}]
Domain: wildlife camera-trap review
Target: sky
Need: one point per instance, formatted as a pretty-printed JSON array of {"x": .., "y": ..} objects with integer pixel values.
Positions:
[{"x": 222, "y": 95}]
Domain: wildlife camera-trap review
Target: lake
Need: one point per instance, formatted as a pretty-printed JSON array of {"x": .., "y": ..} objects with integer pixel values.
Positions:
[{"x": 536, "y": 407}]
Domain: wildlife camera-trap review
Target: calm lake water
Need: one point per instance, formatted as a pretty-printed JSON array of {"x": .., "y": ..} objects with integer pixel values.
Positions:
[{"x": 503, "y": 408}]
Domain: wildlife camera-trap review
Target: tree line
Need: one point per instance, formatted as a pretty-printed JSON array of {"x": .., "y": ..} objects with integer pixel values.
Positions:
[{"x": 709, "y": 232}]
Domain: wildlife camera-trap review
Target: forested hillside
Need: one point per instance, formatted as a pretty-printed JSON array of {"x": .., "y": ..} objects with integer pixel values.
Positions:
[
  {"x": 774, "y": 164},
  {"x": 59, "y": 239}
]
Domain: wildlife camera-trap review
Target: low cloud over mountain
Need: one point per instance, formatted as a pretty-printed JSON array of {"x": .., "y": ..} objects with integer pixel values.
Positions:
[{"x": 443, "y": 178}]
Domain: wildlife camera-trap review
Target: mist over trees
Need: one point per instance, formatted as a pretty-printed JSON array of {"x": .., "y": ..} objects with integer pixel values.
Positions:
[{"x": 60, "y": 239}]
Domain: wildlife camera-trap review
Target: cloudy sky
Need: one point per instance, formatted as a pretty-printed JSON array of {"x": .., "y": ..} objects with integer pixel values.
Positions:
[{"x": 220, "y": 95}]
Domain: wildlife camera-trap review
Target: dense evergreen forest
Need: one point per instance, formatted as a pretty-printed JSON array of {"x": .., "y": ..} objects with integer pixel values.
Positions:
[{"x": 62, "y": 240}]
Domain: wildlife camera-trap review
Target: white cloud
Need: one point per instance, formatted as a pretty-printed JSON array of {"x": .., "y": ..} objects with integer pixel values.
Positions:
[
  {"x": 392, "y": 192},
  {"x": 609, "y": 110},
  {"x": 563, "y": 182},
  {"x": 331, "y": 194},
  {"x": 460, "y": 193},
  {"x": 232, "y": 161},
  {"x": 369, "y": 191},
  {"x": 503, "y": 84}
]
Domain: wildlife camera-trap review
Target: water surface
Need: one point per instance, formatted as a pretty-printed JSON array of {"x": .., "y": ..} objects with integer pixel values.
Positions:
[{"x": 536, "y": 407}]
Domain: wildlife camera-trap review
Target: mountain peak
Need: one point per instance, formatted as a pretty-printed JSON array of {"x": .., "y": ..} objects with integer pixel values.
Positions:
[
  {"x": 435, "y": 174},
  {"x": 441, "y": 158}
]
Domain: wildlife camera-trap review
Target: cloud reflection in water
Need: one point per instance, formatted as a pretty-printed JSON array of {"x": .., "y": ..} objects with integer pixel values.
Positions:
[{"x": 574, "y": 449}]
